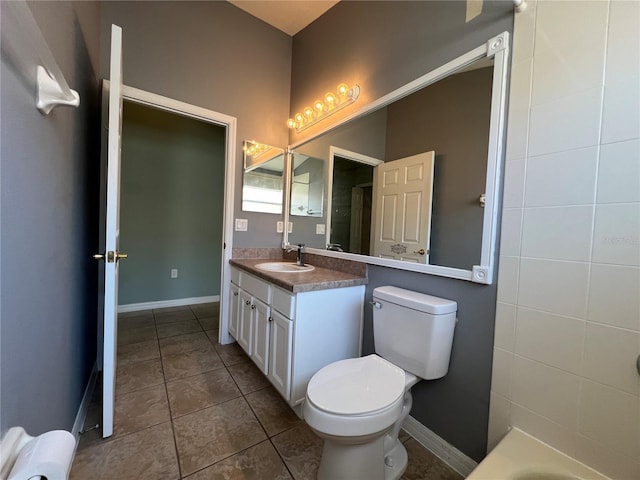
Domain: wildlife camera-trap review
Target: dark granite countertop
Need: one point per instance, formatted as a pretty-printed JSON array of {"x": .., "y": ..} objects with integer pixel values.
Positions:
[{"x": 317, "y": 279}]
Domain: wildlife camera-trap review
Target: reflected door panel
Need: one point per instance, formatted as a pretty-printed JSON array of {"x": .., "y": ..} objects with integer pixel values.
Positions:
[{"x": 402, "y": 208}]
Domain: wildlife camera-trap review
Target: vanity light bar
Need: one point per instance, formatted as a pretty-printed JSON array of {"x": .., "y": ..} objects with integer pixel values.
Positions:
[
  {"x": 332, "y": 102},
  {"x": 255, "y": 149}
]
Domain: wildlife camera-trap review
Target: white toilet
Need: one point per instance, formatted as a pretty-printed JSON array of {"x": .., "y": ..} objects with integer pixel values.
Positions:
[{"x": 358, "y": 405}]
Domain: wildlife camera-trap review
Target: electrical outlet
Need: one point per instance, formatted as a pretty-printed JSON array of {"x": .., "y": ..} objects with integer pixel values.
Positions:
[
  {"x": 279, "y": 227},
  {"x": 320, "y": 228},
  {"x": 174, "y": 273},
  {"x": 241, "y": 224}
]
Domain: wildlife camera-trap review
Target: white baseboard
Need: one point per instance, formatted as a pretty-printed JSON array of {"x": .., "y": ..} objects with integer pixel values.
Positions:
[
  {"x": 439, "y": 447},
  {"x": 84, "y": 404},
  {"x": 179, "y": 302}
]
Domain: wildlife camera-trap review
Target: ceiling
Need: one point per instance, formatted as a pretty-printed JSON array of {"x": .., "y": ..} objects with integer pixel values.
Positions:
[{"x": 289, "y": 16}]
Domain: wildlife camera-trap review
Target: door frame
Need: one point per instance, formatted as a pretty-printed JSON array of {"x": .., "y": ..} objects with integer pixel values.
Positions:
[
  {"x": 349, "y": 155},
  {"x": 177, "y": 107}
]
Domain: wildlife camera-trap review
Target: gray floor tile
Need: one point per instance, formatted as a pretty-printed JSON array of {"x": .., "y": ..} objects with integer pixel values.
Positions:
[
  {"x": 272, "y": 411},
  {"x": 191, "y": 363},
  {"x": 200, "y": 391},
  {"x": 260, "y": 462},
  {"x": 146, "y": 455},
  {"x": 138, "y": 352},
  {"x": 178, "y": 328},
  {"x": 210, "y": 435},
  {"x": 138, "y": 410},
  {"x": 301, "y": 450},
  {"x": 248, "y": 377},
  {"x": 136, "y": 376},
  {"x": 184, "y": 343}
]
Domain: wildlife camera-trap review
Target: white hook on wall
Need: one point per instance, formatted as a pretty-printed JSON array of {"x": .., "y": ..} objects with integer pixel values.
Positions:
[
  {"x": 519, "y": 5},
  {"x": 51, "y": 87}
]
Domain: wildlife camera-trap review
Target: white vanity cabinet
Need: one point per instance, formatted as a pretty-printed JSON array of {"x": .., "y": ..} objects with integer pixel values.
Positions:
[{"x": 290, "y": 336}]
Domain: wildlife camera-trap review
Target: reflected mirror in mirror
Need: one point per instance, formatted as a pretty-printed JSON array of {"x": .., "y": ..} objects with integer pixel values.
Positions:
[
  {"x": 262, "y": 179},
  {"x": 451, "y": 118},
  {"x": 307, "y": 186}
]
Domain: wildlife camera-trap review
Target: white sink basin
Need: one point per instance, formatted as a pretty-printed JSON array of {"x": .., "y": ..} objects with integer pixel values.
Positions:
[{"x": 283, "y": 267}]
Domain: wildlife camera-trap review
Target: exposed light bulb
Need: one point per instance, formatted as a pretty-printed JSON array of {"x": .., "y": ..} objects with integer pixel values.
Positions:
[
  {"x": 319, "y": 106},
  {"x": 291, "y": 123},
  {"x": 299, "y": 118},
  {"x": 343, "y": 89},
  {"x": 308, "y": 112},
  {"x": 330, "y": 98}
]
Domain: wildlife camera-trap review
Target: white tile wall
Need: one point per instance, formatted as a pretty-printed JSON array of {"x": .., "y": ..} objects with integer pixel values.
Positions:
[
  {"x": 551, "y": 339},
  {"x": 610, "y": 417},
  {"x": 553, "y": 286},
  {"x": 619, "y": 174},
  {"x": 617, "y": 234},
  {"x": 558, "y": 233},
  {"x": 566, "y": 123},
  {"x": 549, "y": 175},
  {"x": 547, "y": 391},
  {"x": 609, "y": 357},
  {"x": 613, "y": 296},
  {"x": 568, "y": 314}
]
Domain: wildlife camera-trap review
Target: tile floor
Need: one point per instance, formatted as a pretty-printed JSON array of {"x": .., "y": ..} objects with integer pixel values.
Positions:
[{"x": 189, "y": 408}]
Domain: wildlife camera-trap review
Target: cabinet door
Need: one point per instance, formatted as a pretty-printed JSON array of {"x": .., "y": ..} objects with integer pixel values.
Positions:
[
  {"x": 234, "y": 311},
  {"x": 280, "y": 353},
  {"x": 261, "y": 327},
  {"x": 245, "y": 324}
]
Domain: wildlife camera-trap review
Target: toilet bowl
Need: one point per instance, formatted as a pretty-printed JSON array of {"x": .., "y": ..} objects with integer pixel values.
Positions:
[
  {"x": 352, "y": 405},
  {"x": 357, "y": 405}
]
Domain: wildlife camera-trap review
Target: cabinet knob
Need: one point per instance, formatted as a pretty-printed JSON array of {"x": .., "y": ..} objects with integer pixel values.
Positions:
[
  {"x": 253, "y": 307},
  {"x": 235, "y": 294},
  {"x": 271, "y": 319},
  {"x": 247, "y": 302}
]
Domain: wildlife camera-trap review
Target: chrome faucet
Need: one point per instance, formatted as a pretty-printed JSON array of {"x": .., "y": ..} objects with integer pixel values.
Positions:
[{"x": 300, "y": 248}]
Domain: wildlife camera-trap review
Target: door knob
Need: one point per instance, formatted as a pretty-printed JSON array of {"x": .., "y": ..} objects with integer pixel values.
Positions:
[
  {"x": 111, "y": 256},
  {"x": 422, "y": 251}
]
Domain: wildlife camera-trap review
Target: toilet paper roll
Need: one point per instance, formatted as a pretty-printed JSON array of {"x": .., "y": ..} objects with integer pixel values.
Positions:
[{"x": 48, "y": 455}]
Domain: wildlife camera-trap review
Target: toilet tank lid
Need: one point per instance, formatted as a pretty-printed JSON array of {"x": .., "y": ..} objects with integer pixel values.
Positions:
[{"x": 417, "y": 301}]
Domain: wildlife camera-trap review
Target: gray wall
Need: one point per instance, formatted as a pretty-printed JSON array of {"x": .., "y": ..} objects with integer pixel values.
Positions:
[
  {"x": 170, "y": 215},
  {"x": 49, "y": 195},
  {"x": 382, "y": 46},
  {"x": 452, "y": 118},
  {"x": 216, "y": 56}
]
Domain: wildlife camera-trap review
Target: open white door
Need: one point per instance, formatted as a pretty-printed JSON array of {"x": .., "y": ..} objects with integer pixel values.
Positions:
[
  {"x": 403, "y": 193},
  {"x": 111, "y": 255}
]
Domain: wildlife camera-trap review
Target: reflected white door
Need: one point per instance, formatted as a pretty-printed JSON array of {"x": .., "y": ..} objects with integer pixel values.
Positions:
[
  {"x": 111, "y": 253},
  {"x": 403, "y": 193}
]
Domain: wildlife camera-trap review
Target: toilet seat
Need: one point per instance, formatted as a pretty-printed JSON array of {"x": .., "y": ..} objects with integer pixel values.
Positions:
[
  {"x": 357, "y": 396},
  {"x": 357, "y": 386}
]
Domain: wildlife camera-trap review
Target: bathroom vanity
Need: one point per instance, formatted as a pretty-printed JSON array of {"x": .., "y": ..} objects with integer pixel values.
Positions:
[{"x": 293, "y": 324}]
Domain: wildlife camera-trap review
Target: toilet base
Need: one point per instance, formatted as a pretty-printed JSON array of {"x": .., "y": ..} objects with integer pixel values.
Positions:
[
  {"x": 395, "y": 462},
  {"x": 353, "y": 461}
]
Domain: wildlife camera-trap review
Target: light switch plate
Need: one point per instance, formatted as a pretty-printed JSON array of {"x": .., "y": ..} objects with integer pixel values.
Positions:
[
  {"x": 241, "y": 224},
  {"x": 290, "y": 227},
  {"x": 279, "y": 227},
  {"x": 320, "y": 228}
]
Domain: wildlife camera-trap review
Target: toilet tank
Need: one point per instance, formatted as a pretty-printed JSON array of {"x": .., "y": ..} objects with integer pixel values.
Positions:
[{"x": 413, "y": 330}]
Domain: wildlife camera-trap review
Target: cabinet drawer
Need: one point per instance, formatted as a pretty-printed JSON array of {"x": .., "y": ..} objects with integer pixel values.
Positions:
[
  {"x": 235, "y": 276},
  {"x": 284, "y": 302},
  {"x": 256, "y": 287}
]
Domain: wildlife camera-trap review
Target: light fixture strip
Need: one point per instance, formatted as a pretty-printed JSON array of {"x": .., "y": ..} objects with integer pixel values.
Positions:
[{"x": 332, "y": 103}]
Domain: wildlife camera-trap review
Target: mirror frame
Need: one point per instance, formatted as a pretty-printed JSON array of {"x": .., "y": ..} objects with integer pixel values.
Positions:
[{"x": 498, "y": 49}]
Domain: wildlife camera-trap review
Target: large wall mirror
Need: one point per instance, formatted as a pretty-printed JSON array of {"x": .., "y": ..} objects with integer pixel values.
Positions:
[{"x": 412, "y": 180}]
